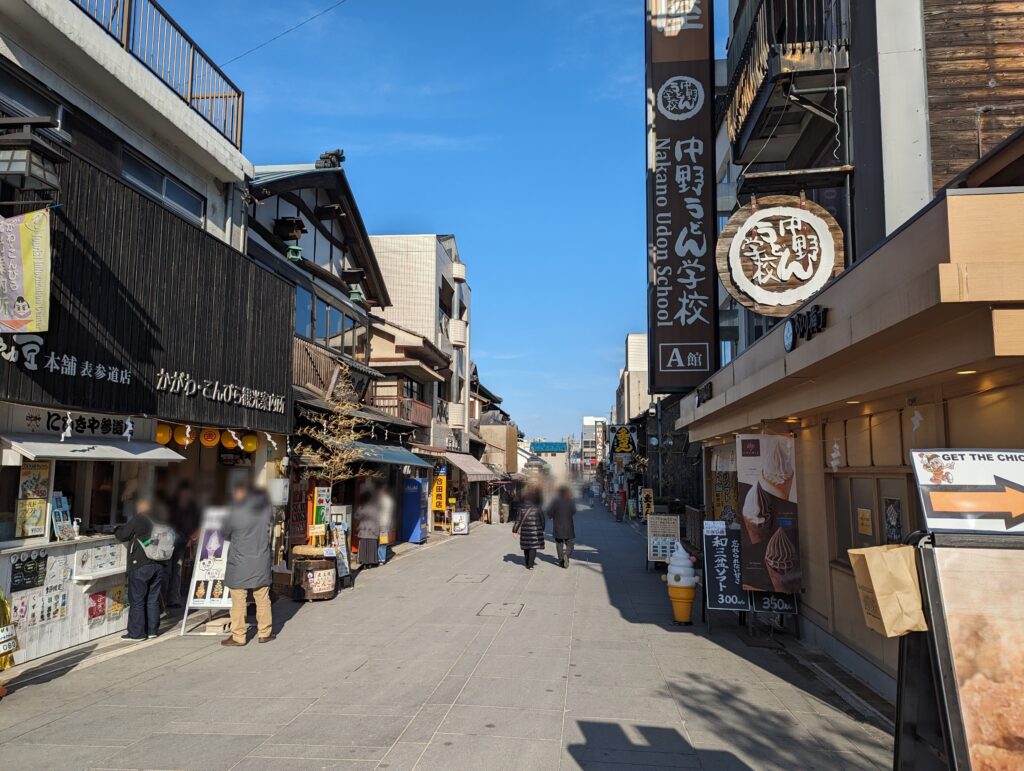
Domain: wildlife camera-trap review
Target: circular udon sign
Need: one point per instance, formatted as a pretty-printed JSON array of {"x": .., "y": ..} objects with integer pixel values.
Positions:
[{"x": 775, "y": 254}]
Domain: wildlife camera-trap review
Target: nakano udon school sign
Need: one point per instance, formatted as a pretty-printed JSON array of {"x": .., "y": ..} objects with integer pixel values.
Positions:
[
  {"x": 777, "y": 252},
  {"x": 681, "y": 318}
]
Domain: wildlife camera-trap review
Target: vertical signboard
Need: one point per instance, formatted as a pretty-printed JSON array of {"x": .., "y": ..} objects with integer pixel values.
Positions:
[{"x": 682, "y": 285}]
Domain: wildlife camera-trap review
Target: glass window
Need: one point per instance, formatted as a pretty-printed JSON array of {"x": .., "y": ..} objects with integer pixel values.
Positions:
[
  {"x": 863, "y": 521},
  {"x": 303, "y": 313},
  {"x": 183, "y": 198},
  {"x": 844, "y": 538},
  {"x": 350, "y": 336},
  {"x": 362, "y": 336},
  {"x": 411, "y": 389},
  {"x": 335, "y": 324},
  {"x": 142, "y": 174},
  {"x": 321, "y": 322}
]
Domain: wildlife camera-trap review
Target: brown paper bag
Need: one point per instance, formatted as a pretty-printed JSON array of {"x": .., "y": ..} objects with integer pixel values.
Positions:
[{"x": 890, "y": 594}]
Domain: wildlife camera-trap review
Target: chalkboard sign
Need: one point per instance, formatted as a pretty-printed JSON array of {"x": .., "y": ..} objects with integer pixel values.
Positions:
[
  {"x": 28, "y": 571},
  {"x": 773, "y": 602},
  {"x": 723, "y": 569}
]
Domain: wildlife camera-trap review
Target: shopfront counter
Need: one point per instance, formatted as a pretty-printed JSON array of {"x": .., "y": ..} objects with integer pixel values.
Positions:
[{"x": 65, "y": 593}]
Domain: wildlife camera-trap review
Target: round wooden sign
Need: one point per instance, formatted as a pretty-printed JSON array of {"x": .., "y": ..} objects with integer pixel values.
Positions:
[{"x": 777, "y": 252}]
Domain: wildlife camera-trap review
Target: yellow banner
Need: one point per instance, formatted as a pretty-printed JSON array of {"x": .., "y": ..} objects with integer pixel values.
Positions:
[
  {"x": 439, "y": 493},
  {"x": 25, "y": 272}
]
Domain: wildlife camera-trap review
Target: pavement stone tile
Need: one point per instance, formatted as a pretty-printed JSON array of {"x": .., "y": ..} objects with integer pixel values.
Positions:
[
  {"x": 353, "y": 731},
  {"x": 448, "y": 690},
  {"x": 256, "y": 763},
  {"x": 29, "y": 757},
  {"x": 426, "y": 722},
  {"x": 538, "y": 665},
  {"x": 504, "y": 692},
  {"x": 273, "y": 749},
  {"x": 403, "y": 756},
  {"x": 504, "y": 721},
  {"x": 202, "y": 752},
  {"x": 621, "y": 704},
  {"x": 459, "y": 752},
  {"x": 617, "y": 674},
  {"x": 633, "y": 735},
  {"x": 109, "y": 726}
]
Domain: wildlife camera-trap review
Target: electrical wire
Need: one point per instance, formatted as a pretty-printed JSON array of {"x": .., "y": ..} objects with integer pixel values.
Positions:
[{"x": 280, "y": 35}]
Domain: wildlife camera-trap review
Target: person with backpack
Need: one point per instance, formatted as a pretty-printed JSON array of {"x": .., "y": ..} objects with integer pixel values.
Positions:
[{"x": 150, "y": 546}]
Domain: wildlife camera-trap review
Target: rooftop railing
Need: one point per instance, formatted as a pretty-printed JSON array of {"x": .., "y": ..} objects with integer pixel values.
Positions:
[{"x": 147, "y": 31}]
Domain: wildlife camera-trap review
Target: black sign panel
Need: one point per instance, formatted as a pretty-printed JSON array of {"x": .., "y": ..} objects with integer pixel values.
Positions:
[
  {"x": 723, "y": 568},
  {"x": 151, "y": 315},
  {"x": 27, "y": 572},
  {"x": 773, "y": 602},
  {"x": 682, "y": 280}
]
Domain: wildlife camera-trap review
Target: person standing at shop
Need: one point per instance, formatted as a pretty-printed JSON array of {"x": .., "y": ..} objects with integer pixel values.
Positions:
[
  {"x": 530, "y": 527},
  {"x": 368, "y": 530},
  {"x": 561, "y": 512},
  {"x": 386, "y": 517},
  {"x": 247, "y": 527},
  {"x": 146, "y": 569},
  {"x": 185, "y": 521}
]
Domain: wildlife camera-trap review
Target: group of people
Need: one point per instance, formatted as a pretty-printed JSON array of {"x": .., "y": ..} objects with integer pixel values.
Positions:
[
  {"x": 157, "y": 537},
  {"x": 531, "y": 522}
]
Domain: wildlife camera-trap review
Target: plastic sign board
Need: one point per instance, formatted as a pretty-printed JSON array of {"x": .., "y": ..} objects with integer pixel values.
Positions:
[
  {"x": 439, "y": 492},
  {"x": 662, "y": 534},
  {"x": 723, "y": 568},
  {"x": 972, "y": 489}
]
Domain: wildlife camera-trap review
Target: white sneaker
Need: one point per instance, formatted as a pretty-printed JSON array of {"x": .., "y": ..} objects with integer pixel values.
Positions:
[{"x": 152, "y": 636}]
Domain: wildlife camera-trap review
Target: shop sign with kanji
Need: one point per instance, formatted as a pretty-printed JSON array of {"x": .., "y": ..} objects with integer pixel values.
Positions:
[{"x": 777, "y": 252}]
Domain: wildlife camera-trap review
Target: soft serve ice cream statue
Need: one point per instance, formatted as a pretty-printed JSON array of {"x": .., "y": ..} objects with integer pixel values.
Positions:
[{"x": 680, "y": 568}]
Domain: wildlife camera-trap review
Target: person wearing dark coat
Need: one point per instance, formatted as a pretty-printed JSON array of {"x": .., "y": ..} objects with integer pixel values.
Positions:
[
  {"x": 530, "y": 528},
  {"x": 247, "y": 526},
  {"x": 145, "y": 576},
  {"x": 561, "y": 512}
]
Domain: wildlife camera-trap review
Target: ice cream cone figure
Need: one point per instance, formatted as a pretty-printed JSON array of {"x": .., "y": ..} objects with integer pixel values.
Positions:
[
  {"x": 777, "y": 470},
  {"x": 757, "y": 513},
  {"x": 682, "y": 584}
]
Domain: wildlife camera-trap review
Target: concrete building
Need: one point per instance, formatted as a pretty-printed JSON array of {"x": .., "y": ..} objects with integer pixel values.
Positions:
[
  {"x": 633, "y": 397},
  {"x": 179, "y": 141},
  {"x": 430, "y": 297},
  {"x": 593, "y": 445},
  {"x": 556, "y": 456}
]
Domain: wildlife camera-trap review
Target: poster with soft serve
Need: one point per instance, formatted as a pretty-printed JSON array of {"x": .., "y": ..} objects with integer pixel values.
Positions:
[{"x": 767, "y": 493}]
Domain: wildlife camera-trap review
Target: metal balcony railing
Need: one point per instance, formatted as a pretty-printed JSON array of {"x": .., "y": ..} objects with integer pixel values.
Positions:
[
  {"x": 794, "y": 35},
  {"x": 148, "y": 32}
]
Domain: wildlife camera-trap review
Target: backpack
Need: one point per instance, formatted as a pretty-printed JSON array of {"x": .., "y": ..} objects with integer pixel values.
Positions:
[{"x": 160, "y": 545}]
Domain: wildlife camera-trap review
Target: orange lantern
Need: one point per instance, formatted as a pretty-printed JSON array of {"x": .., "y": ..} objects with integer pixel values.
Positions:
[
  {"x": 227, "y": 441},
  {"x": 163, "y": 433},
  {"x": 250, "y": 442},
  {"x": 209, "y": 437},
  {"x": 184, "y": 437}
]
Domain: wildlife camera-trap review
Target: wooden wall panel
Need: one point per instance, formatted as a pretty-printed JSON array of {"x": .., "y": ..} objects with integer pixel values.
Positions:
[{"x": 975, "y": 60}]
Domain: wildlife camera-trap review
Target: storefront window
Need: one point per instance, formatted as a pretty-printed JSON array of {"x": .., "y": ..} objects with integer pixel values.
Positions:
[
  {"x": 102, "y": 494},
  {"x": 303, "y": 313},
  {"x": 869, "y": 511}
]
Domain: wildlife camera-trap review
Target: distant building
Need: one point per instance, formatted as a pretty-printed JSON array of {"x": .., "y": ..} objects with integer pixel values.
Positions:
[
  {"x": 632, "y": 397},
  {"x": 592, "y": 445},
  {"x": 556, "y": 456}
]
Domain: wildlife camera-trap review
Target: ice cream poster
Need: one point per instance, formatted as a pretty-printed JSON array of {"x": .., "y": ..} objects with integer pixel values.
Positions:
[
  {"x": 766, "y": 491},
  {"x": 25, "y": 273}
]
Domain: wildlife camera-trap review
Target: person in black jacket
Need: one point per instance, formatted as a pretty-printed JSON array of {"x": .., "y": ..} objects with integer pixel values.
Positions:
[
  {"x": 530, "y": 527},
  {"x": 561, "y": 512},
  {"x": 145, "y": 577}
]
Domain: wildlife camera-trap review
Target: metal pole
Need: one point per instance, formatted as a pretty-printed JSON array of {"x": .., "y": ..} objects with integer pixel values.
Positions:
[{"x": 660, "y": 449}]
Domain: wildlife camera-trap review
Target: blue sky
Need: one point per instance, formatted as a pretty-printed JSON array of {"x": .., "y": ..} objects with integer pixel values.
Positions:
[{"x": 519, "y": 128}]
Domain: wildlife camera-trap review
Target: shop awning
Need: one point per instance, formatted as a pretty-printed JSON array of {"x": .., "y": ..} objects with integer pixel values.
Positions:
[
  {"x": 386, "y": 453},
  {"x": 474, "y": 470},
  {"x": 50, "y": 447}
]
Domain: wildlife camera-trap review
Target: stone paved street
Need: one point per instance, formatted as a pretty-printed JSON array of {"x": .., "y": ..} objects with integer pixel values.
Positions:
[{"x": 426, "y": 664}]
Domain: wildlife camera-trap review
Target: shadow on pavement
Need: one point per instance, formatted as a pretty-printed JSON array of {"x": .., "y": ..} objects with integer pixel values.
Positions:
[{"x": 606, "y": 745}]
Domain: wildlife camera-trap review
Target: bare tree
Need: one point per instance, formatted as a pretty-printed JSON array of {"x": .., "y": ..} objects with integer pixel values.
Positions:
[{"x": 331, "y": 456}]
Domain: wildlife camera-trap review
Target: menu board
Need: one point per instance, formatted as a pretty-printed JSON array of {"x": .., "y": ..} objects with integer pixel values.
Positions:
[
  {"x": 662, "y": 534},
  {"x": 207, "y": 589},
  {"x": 723, "y": 568},
  {"x": 28, "y": 570},
  {"x": 460, "y": 522},
  {"x": 34, "y": 479},
  {"x": 297, "y": 514},
  {"x": 30, "y": 517}
]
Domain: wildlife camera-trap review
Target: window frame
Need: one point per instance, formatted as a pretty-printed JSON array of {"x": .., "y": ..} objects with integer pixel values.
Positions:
[
  {"x": 910, "y": 514},
  {"x": 161, "y": 196}
]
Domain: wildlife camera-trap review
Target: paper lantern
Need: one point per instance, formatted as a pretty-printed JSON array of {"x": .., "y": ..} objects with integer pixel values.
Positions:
[
  {"x": 163, "y": 433},
  {"x": 227, "y": 442},
  {"x": 181, "y": 438},
  {"x": 209, "y": 437},
  {"x": 250, "y": 442}
]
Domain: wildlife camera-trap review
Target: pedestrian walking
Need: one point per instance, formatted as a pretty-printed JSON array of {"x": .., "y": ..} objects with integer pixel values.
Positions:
[
  {"x": 386, "y": 519},
  {"x": 150, "y": 546},
  {"x": 561, "y": 512},
  {"x": 368, "y": 530},
  {"x": 247, "y": 528},
  {"x": 529, "y": 527}
]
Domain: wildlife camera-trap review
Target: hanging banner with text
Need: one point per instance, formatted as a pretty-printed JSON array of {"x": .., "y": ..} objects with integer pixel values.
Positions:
[
  {"x": 682, "y": 286},
  {"x": 25, "y": 272}
]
